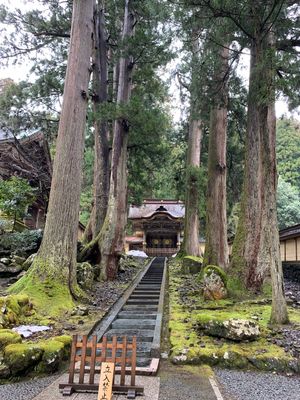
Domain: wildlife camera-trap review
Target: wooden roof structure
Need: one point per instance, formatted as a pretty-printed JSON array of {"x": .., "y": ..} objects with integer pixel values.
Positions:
[
  {"x": 28, "y": 158},
  {"x": 174, "y": 208},
  {"x": 290, "y": 232}
]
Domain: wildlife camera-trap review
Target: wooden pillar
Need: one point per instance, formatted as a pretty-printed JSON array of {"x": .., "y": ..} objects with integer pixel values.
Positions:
[
  {"x": 144, "y": 242},
  {"x": 178, "y": 240}
]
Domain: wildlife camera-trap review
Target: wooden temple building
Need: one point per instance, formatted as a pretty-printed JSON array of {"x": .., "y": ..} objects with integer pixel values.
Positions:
[
  {"x": 28, "y": 158},
  {"x": 157, "y": 227},
  {"x": 290, "y": 244}
]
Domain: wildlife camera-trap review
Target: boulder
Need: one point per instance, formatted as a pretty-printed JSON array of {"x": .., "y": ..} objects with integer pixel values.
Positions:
[
  {"x": 214, "y": 283},
  {"x": 22, "y": 357},
  {"x": 191, "y": 264},
  {"x": 7, "y": 337},
  {"x": 4, "y": 260},
  {"x": 7, "y": 271},
  {"x": 237, "y": 330},
  {"x": 12, "y": 308},
  {"x": 80, "y": 311},
  {"x": 53, "y": 352},
  {"x": 27, "y": 263},
  {"x": 85, "y": 275},
  {"x": 4, "y": 370},
  {"x": 18, "y": 260}
]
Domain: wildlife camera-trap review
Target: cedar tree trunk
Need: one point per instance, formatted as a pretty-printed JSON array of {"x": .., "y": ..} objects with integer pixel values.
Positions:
[
  {"x": 216, "y": 246},
  {"x": 191, "y": 221},
  {"x": 111, "y": 239},
  {"x": 101, "y": 145},
  {"x": 55, "y": 265},
  {"x": 256, "y": 248}
]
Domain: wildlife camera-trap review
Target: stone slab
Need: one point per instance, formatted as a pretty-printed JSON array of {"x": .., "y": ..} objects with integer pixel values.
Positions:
[{"x": 150, "y": 383}]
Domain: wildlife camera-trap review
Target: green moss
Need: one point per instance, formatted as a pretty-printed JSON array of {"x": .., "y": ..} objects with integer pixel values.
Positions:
[
  {"x": 198, "y": 349},
  {"x": 235, "y": 288},
  {"x": 194, "y": 258},
  {"x": 209, "y": 269},
  {"x": 65, "y": 339},
  {"x": 49, "y": 297},
  {"x": 22, "y": 356},
  {"x": 8, "y": 337},
  {"x": 13, "y": 309},
  {"x": 53, "y": 352}
]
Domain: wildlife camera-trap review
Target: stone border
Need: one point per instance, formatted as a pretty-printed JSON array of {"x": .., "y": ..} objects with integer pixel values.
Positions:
[
  {"x": 155, "y": 349},
  {"x": 112, "y": 313}
]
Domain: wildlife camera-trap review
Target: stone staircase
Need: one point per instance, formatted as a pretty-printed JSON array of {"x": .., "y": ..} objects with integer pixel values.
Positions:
[{"x": 139, "y": 314}]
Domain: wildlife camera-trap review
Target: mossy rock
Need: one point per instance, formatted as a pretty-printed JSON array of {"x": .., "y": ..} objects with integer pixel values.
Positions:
[
  {"x": 67, "y": 341},
  {"x": 191, "y": 264},
  {"x": 22, "y": 357},
  {"x": 12, "y": 309},
  {"x": 234, "y": 360},
  {"x": 274, "y": 364},
  {"x": 210, "y": 269},
  {"x": 233, "y": 329},
  {"x": 7, "y": 337},
  {"x": 85, "y": 275},
  {"x": 53, "y": 353}
]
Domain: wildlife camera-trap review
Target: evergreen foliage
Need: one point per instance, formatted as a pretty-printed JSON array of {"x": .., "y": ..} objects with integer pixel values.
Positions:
[{"x": 15, "y": 195}]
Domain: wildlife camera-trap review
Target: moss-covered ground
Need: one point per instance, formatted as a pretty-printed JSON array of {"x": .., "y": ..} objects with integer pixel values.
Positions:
[
  {"x": 47, "y": 304},
  {"x": 190, "y": 345}
]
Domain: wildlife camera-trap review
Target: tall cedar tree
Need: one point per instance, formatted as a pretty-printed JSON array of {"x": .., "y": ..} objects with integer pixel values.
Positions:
[
  {"x": 191, "y": 222},
  {"x": 216, "y": 246},
  {"x": 55, "y": 264},
  {"x": 256, "y": 249},
  {"x": 101, "y": 142}
]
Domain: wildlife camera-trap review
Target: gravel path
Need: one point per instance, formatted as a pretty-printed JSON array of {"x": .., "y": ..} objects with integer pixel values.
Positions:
[
  {"x": 25, "y": 390},
  {"x": 258, "y": 386}
]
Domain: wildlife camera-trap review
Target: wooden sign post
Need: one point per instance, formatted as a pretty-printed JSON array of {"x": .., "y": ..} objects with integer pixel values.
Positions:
[{"x": 106, "y": 381}]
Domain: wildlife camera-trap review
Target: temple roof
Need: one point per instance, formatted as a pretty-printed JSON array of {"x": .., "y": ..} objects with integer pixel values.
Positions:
[
  {"x": 175, "y": 208},
  {"x": 290, "y": 232}
]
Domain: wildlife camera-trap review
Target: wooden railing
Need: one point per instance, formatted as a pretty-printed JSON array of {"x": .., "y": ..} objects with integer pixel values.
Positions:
[{"x": 161, "y": 251}]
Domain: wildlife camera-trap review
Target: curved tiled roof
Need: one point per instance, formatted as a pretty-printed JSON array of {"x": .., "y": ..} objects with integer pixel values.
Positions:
[{"x": 175, "y": 208}]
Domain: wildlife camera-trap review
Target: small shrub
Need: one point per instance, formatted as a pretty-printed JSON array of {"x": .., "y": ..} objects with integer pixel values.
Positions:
[{"x": 25, "y": 242}]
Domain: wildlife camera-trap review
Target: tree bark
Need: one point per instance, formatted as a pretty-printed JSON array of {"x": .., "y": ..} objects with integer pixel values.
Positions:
[
  {"x": 191, "y": 221},
  {"x": 216, "y": 245},
  {"x": 101, "y": 144},
  {"x": 111, "y": 238},
  {"x": 55, "y": 264},
  {"x": 256, "y": 248}
]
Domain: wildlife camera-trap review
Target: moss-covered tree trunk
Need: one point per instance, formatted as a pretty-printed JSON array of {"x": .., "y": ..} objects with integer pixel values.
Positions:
[
  {"x": 111, "y": 238},
  {"x": 101, "y": 144},
  {"x": 256, "y": 249},
  {"x": 190, "y": 244},
  {"x": 216, "y": 245},
  {"x": 191, "y": 220},
  {"x": 54, "y": 267}
]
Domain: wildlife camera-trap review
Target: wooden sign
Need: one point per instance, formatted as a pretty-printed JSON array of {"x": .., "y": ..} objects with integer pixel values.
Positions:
[{"x": 106, "y": 381}]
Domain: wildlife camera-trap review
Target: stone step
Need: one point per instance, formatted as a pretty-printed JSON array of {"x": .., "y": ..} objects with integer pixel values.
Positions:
[
  {"x": 144, "y": 296},
  {"x": 142, "y": 301},
  {"x": 138, "y": 308},
  {"x": 141, "y": 291},
  {"x": 142, "y": 335},
  {"x": 143, "y": 361},
  {"x": 135, "y": 315},
  {"x": 147, "y": 286},
  {"x": 133, "y": 324}
]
